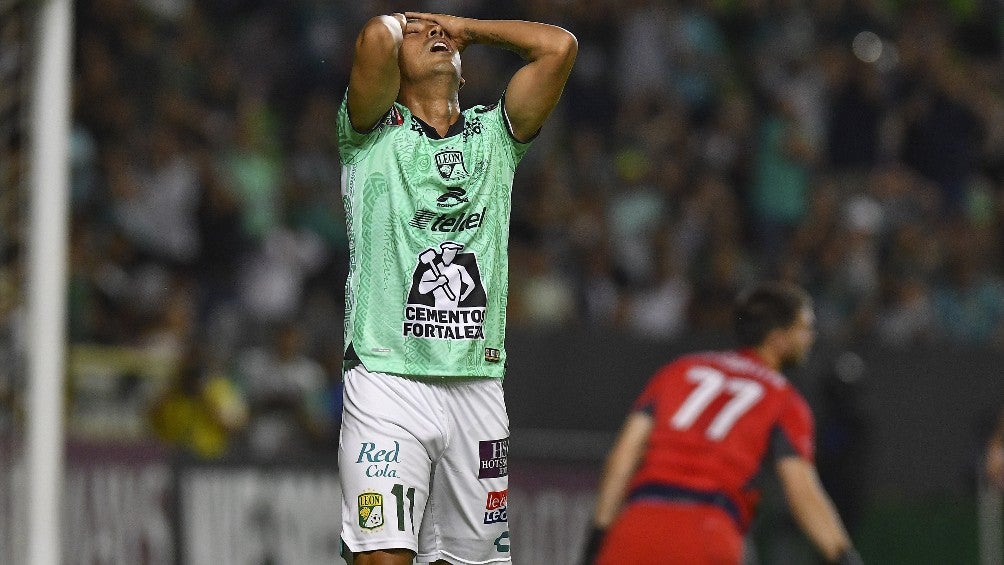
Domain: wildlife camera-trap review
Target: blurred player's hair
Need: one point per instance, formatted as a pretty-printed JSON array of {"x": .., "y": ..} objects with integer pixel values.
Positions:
[{"x": 767, "y": 307}]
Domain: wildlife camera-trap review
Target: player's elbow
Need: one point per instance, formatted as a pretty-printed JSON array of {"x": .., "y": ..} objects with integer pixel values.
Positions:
[
  {"x": 380, "y": 34},
  {"x": 566, "y": 46}
]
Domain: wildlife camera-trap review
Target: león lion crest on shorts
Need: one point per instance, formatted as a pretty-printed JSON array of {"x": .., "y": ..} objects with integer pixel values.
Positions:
[{"x": 370, "y": 510}]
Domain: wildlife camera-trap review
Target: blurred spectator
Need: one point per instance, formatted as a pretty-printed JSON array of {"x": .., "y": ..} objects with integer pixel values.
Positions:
[
  {"x": 657, "y": 308},
  {"x": 780, "y": 183},
  {"x": 970, "y": 303},
  {"x": 251, "y": 169},
  {"x": 856, "y": 111},
  {"x": 158, "y": 204},
  {"x": 547, "y": 297},
  {"x": 285, "y": 390},
  {"x": 907, "y": 317},
  {"x": 272, "y": 278},
  {"x": 201, "y": 412}
]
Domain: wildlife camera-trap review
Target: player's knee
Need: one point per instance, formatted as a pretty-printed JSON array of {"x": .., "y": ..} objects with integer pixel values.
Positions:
[{"x": 397, "y": 556}]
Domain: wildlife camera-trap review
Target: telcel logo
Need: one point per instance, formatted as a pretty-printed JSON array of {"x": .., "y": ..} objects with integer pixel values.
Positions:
[{"x": 447, "y": 223}]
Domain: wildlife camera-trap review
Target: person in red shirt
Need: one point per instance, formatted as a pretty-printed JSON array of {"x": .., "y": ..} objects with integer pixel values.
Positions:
[{"x": 680, "y": 483}]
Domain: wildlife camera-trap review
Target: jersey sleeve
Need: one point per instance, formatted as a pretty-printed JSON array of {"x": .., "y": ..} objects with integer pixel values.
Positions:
[
  {"x": 794, "y": 431},
  {"x": 646, "y": 401},
  {"x": 496, "y": 116},
  {"x": 351, "y": 143}
]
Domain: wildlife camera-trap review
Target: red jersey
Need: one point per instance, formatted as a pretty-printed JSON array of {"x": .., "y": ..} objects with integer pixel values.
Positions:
[{"x": 719, "y": 418}]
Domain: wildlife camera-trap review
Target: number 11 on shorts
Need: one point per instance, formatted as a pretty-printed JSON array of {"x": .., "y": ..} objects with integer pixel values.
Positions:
[{"x": 399, "y": 495}]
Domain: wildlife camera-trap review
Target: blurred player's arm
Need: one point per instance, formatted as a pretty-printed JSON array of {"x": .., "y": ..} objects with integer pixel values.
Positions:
[
  {"x": 994, "y": 464},
  {"x": 814, "y": 511},
  {"x": 375, "y": 77},
  {"x": 534, "y": 90},
  {"x": 620, "y": 465}
]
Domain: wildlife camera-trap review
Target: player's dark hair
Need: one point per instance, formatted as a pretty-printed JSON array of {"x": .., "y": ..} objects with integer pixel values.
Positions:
[{"x": 767, "y": 307}]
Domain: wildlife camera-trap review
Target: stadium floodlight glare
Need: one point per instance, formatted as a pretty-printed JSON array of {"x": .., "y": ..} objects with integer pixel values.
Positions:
[{"x": 867, "y": 46}]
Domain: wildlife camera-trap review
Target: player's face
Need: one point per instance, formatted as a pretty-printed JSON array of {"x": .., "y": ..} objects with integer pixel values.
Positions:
[
  {"x": 427, "y": 51},
  {"x": 800, "y": 336}
]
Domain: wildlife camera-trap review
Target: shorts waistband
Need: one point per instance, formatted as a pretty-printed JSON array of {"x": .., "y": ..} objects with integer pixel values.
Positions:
[{"x": 674, "y": 493}]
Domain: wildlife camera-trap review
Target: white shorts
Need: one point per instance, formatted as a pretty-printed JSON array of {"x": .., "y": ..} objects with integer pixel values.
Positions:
[{"x": 423, "y": 466}]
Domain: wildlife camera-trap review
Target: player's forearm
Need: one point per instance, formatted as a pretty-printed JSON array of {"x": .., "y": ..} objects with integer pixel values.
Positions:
[
  {"x": 820, "y": 522},
  {"x": 620, "y": 465},
  {"x": 813, "y": 510},
  {"x": 612, "y": 490},
  {"x": 530, "y": 40}
]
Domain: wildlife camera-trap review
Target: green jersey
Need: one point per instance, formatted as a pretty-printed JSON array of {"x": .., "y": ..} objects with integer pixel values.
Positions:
[{"x": 428, "y": 224}]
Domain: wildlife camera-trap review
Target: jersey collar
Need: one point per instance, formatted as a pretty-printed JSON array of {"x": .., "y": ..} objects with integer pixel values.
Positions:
[
  {"x": 751, "y": 354},
  {"x": 431, "y": 133}
]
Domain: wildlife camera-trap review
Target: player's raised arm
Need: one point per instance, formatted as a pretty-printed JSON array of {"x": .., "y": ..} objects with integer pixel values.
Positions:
[
  {"x": 549, "y": 52},
  {"x": 376, "y": 77}
]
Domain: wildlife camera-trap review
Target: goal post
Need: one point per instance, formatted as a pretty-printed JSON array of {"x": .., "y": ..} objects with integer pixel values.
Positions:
[{"x": 49, "y": 132}]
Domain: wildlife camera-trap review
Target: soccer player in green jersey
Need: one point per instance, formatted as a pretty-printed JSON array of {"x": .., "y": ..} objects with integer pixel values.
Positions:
[{"x": 427, "y": 192}]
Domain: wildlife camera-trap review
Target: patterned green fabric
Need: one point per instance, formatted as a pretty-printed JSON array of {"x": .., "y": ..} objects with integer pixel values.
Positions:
[{"x": 420, "y": 208}]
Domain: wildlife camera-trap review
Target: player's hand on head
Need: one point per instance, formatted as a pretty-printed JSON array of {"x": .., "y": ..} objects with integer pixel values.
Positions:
[{"x": 454, "y": 26}]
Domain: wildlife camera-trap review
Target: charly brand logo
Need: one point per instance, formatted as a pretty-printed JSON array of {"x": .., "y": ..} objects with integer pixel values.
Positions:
[
  {"x": 494, "y": 455},
  {"x": 378, "y": 461},
  {"x": 370, "y": 510},
  {"x": 447, "y": 223},
  {"x": 495, "y": 507},
  {"x": 447, "y": 299},
  {"x": 502, "y": 542},
  {"x": 450, "y": 164}
]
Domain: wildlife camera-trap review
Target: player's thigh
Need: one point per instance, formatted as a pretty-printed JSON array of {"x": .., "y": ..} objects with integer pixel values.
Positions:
[
  {"x": 383, "y": 461},
  {"x": 468, "y": 517}
]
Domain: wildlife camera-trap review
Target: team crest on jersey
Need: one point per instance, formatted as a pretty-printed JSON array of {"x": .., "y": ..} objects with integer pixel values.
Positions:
[
  {"x": 447, "y": 299},
  {"x": 451, "y": 166},
  {"x": 370, "y": 510}
]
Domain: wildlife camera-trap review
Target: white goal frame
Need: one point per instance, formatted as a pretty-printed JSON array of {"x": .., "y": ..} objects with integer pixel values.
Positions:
[{"x": 49, "y": 133}]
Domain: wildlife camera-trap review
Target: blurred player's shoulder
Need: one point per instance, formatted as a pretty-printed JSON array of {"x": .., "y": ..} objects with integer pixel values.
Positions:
[{"x": 737, "y": 364}]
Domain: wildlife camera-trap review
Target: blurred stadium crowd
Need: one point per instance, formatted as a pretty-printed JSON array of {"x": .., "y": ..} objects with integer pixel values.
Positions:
[{"x": 853, "y": 146}]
